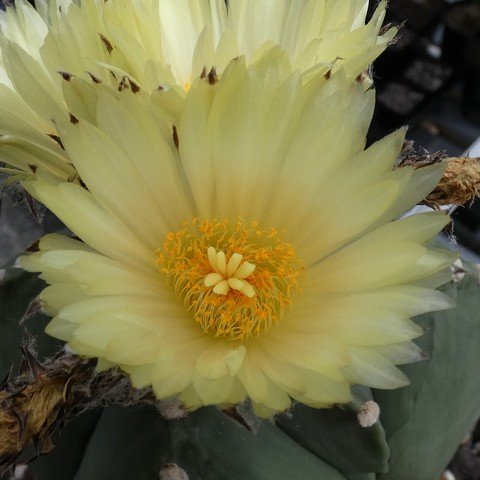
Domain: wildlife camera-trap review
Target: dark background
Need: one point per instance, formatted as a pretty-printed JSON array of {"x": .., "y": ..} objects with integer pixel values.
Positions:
[{"x": 430, "y": 80}]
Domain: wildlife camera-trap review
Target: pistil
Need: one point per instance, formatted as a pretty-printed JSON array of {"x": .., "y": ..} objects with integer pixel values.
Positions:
[{"x": 231, "y": 275}]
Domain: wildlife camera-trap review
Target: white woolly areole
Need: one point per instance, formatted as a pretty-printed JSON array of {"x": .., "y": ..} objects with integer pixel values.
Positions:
[
  {"x": 172, "y": 409},
  {"x": 171, "y": 471},
  {"x": 368, "y": 414}
]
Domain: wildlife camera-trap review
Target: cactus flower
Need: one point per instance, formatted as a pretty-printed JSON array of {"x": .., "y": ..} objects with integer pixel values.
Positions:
[{"x": 250, "y": 250}]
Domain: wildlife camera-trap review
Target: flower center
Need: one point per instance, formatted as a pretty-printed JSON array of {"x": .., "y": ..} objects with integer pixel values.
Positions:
[
  {"x": 229, "y": 275},
  {"x": 235, "y": 278}
]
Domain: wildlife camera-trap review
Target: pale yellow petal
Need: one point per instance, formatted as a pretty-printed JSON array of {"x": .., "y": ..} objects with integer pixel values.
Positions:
[
  {"x": 315, "y": 352},
  {"x": 253, "y": 380},
  {"x": 401, "y": 353},
  {"x": 280, "y": 372},
  {"x": 33, "y": 83},
  {"x": 237, "y": 393},
  {"x": 212, "y": 392},
  {"x": 174, "y": 383},
  {"x": 114, "y": 180},
  {"x": 219, "y": 360},
  {"x": 151, "y": 154},
  {"x": 82, "y": 213},
  {"x": 322, "y": 391},
  {"x": 57, "y": 296},
  {"x": 373, "y": 370},
  {"x": 391, "y": 254}
]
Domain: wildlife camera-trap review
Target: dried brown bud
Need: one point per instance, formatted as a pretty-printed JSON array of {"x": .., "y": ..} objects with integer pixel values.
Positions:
[
  {"x": 409, "y": 158},
  {"x": 460, "y": 183},
  {"x": 45, "y": 396},
  {"x": 29, "y": 414},
  {"x": 35, "y": 402}
]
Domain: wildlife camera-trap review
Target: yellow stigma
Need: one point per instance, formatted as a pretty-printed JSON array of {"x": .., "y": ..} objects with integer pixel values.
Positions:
[
  {"x": 235, "y": 278},
  {"x": 231, "y": 275}
]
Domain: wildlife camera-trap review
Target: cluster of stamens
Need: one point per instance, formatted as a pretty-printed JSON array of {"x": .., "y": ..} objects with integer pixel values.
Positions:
[{"x": 233, "y": 277}]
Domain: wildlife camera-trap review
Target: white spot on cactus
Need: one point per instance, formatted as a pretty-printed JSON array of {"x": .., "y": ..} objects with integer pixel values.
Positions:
[
  {"x": 458, "y": 271},
  {"x": 172, "y": 409},
  {"x": 448, "y": 475},
  {"x": 21, "y": 472},
  {"x": 171, "y": 471},
  {"x": 368, "y": 414}
]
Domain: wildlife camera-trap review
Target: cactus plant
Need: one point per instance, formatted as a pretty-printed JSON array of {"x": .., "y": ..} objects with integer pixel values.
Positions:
[{"x": 242, "y": 271}]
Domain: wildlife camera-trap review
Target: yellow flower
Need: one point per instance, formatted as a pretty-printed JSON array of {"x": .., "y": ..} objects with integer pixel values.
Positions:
[
  {"x": 145, "y": 44},
  {"x": 250, "y": 250}
]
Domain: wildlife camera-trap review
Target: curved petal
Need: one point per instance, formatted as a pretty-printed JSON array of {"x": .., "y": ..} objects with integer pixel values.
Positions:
[
  {"x": 182, "y": 24},
  {"x": 255, "y": 23},
  {"x": 323, "y": 391},
  {"x": 133, "y": 192},
  {"x": 374, "y": 370},
  {"x": 331, "y": 130},
  {"x": 392, "y": 254},
  {"x": 94, "y": 274},
  {"x": 220, "y": 360},
  {"x": 212, "y": 392},
  {"x": 93, "y": 223}
]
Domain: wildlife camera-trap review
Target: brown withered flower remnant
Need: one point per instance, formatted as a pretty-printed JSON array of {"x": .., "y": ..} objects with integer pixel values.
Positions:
[
  {"x": 460, "y": 183},
  {"x": 29, "y": 414},
  {"x": 45, "y": 396},
  {"x": 33, "y": 404}
]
